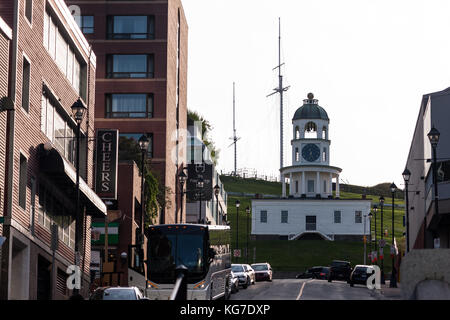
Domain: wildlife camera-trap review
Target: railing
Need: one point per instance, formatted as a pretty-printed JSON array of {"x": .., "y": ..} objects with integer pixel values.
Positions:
[{"x": 130, "y": 36}]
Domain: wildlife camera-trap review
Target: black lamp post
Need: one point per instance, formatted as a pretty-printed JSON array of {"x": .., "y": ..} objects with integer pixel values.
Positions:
[
  {"x": 381, "y": 232},
  {"x": 370, "y": 215},
  {"x": 200, "y": 188},
  {"x": 406, "y": 176},
  {"x": 393, "y": 282},
  {"x": 182, "y": 177},
  {"x": 433, "y": 136},
  {"x": 78, "y": 111},
  {"x": 143, "y": 145},
  {"x": 375, "y": 209},
  {"x": 216, "y": 193},
  {"x": 247, "y": 210},
  {"x": 238, "y": 203}
]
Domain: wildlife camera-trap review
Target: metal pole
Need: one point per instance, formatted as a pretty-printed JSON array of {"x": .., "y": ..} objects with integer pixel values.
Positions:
[
  {"x": 237, "y": 229},
  {"x": 407, "y": 218},
  {"x": 435, "y": 182},
  {"x": 376, "y": 244},
  {"x": 248, "y": 235},
  {"x": 79, "y": 220},
  {"x": 142, "y": 196},
  {"x": 382, "y": 248},
  {"x": 182, "y": 196},
  {"x": 365, "y": 240},
  {"x": 392, "y": 283},
  {"x": 217, "y": 209}
]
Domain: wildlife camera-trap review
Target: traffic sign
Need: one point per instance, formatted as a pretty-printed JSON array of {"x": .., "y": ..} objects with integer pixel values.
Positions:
[
  {"x": 382, "y": 243},
  {"x": 237, "y": 253}
]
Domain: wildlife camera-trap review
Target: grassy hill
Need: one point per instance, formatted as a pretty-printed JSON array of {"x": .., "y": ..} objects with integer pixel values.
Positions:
[{"x": 299, "y": 255}]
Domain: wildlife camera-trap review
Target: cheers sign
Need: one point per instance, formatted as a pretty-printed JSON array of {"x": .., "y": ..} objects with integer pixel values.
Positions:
[{"x": 106, "y": 170}]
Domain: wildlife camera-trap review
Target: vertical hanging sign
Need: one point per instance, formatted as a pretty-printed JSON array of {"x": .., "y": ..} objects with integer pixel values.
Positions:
[{"x": 107, "y": 151}]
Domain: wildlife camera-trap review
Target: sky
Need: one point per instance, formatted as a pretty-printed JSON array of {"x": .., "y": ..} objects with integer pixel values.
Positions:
[{"x": 367, "y": 62}]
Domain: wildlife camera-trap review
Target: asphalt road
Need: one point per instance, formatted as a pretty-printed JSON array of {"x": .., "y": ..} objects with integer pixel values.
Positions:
[{"x": 303, "y": 289}]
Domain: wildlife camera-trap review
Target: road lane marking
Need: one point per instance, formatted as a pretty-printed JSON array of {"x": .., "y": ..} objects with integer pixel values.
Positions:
[{"x": 301, "y": 289}]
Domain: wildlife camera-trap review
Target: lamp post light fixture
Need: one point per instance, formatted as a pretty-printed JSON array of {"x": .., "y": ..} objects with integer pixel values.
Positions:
[
  {"x": 78, "y": 111},
  {"x": 381, "y": 232},
  {"x": 247, "y": 210},
  {"x": 238, "y": 203},
  {"x": 216, "y": 193},
  {"x": 393, "y": 282},
  {"x": 433, "y": 136},
  {"x": 406, "y": 176},
  {"x": 182, "y": 177}
]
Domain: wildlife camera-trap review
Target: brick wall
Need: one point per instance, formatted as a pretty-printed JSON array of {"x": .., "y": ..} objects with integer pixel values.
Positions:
[
  {"x": 28, "y": 135},
  {"x": 4, "y": 74}
]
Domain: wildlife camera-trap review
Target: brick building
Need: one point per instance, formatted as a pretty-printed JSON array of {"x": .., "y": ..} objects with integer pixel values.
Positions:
[
  {"x": 141, "y": 83},
  {"x": 51, "y": 66}
]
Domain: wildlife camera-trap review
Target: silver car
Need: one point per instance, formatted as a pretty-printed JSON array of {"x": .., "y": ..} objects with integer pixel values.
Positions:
[
  {"x": 117, "y": 293},
  {"x": 240, "y": 272},
  {"x": 251, "y": 273}
]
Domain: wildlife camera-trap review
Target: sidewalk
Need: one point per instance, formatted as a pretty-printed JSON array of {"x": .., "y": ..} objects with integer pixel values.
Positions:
[{"x": 387, "y": 293}]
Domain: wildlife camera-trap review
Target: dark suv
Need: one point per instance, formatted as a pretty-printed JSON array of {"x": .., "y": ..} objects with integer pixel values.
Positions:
[{"x": 340, "y": 270}]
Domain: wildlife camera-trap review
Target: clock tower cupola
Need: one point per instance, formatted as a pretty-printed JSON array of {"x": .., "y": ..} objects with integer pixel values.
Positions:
[{"x": 310, "y": 174}]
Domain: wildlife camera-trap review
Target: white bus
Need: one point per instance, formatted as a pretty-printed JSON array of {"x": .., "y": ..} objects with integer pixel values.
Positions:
[{"x": 203, "y": 249}]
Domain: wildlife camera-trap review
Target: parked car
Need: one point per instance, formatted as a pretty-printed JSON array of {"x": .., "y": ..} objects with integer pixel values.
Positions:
[
  {"x": 234, "y": 283},
  {"x": 251, "y": 273},
  {"x": 340, "y": 270},
  {"x": 319, "y": 272},
  {"x": 263, "y": 271},
  {"x": 117, "y": 293},
  {"x": 241, "y": 274},
  {"x": 360, "y": 274}
]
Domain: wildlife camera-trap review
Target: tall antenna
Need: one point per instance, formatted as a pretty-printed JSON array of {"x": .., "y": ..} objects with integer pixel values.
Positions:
[
  {"x": 234, "y": 138},
  {"x": 280, "y": 89}
]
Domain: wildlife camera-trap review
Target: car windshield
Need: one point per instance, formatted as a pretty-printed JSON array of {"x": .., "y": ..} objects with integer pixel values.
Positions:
[
  {"x": 237, "y": 268},
  {"x": 361, "y": 269},
  {"x": 339, "y": 264},
  {"x": 119, "y": 294},
  {"x": 260, "y": 267},
  {"x": 325, "y": 270}
]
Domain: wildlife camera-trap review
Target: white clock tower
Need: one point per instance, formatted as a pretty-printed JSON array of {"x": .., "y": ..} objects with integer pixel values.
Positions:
[{"x": 310, "y": 175}]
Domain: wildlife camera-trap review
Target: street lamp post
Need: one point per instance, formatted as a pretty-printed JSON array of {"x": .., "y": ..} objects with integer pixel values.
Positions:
[
  {"x": 375, "y": 209},
  {"x": 216, "y": 193},
  {"x": 247, "y": 210},
  {"x": 365, "y": 239},
  {"x": 182, "y": 178},
  {"x": 238, "y": 203},
  {"x": 406, "y": 176},
  {"x": 433, "y": 136},
  {"x": 200, "y": 188},
  {"x": 143, "y": 145},
  {"x": 393, "y": 282},
  {"x": 78, "y": 111},
  {"x": 381, "y": 232},
  {"x": 370, "y": 215}
]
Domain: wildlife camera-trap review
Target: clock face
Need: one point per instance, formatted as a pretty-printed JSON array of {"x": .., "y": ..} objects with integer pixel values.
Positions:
[{"x": 310, "y": 152}]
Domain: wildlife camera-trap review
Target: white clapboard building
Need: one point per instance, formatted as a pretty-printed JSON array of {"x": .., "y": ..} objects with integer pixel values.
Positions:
[{"x": 308, "y": 210}]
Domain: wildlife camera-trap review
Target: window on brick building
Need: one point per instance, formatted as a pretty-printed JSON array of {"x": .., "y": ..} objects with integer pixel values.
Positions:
[
  {"x": 23, "y": 181},
  {"x": 63, "y": 54},
  {"x": 58, "y": 128},
  {"x": 51, "y": 210},
  {"x": 130, "y": 140},
  {"x": 131, "y": 27},
  {"x": 86, "y": 24},
  {"x": 26, "y": 84},
  {"x": 130, "y": 66},
  {"x": 129, "y": 105},
  {"x": 29, "y": 10}
]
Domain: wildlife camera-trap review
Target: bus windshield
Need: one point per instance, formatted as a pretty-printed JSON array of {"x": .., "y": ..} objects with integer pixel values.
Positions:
[{"x": 169, "y": 248}]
